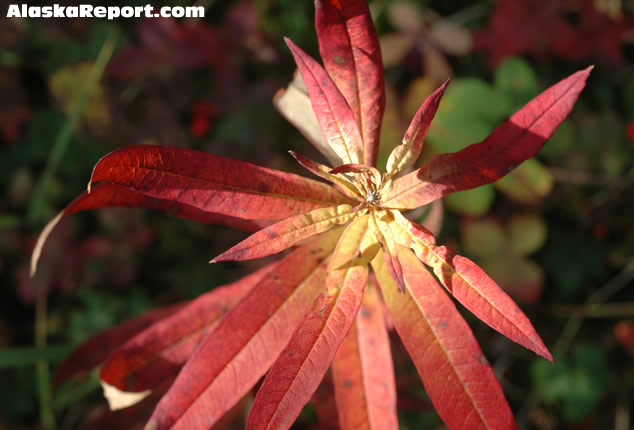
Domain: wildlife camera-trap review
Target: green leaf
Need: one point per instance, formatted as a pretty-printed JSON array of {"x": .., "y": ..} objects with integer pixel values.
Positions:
[
  {"x": 560, "y": 144},
  {"x": 483, "y": 237},
  {"x": 577, "y": 382},
  {"x": 461, "y": 118},
  {"x": 522, "y": 279},
  {"x": 18, "y": 357},
  {"x": 517, "y": 79},
  {"x": 475, "y": 202},
  {"x": 528, "y": 183},
  {"x": 527, "y": 233}
]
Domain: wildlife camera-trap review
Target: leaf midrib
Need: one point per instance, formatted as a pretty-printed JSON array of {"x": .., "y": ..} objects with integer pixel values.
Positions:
[{"x": 220, "y": 185}]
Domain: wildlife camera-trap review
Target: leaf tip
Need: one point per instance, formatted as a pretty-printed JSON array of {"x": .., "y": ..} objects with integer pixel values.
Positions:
[
  {"x": 118, "y": 399},
  {"x": 41, "y": 240}
]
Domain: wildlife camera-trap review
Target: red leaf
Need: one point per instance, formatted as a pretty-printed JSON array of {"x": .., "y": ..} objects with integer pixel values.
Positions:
[
  {"x": 104, "y": 195},
  {"x": 474, "y": 289},
  {"x": 456, "y": 375},
  {"x": 333, "y": 113},
  {"x": 351, "y": 54},
  {"x": 363, "y": 373},
  {"x": 300, "y": 367},
  {"x": 323, "y": 401},
  {"x": 286, "y": 233},
  {"x": 214, "y": 184},
  {"x": 406, "y": 154},
  {"x": 246, "y": 341},
  {"x": 96, "y": 349},
  {"x": 158, "y": 352},
  {"x": 516, "y": 140}
]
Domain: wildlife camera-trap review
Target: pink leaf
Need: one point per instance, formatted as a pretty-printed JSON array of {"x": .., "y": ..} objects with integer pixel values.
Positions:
[{"x": 351, "y": 54}]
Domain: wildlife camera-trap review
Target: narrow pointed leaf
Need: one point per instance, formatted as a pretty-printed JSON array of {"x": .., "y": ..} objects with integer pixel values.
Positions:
[
  {"x": 471, "y": 287},
  {"x": 300, "y": 367},
  {"x": 286, "y": 233},
  {"x": 333, "y": 113},
  {"x": 96, "y": 349},
  {"x": 406, "y": 154},
  {"x": 363, "y": 373},
  {"x": 455, "y": 373},
  {"x": 159, "y": 352},
  {"x": 513, "y": 142},
  {"x": 214, "y": 184},
  {"x": 372, "y": 172},
  {"x": 246, "y": 341},
  {"x": 294, "y": 104},
  {"x": 105, "y": 195},
  {"x": 351, "y": 54},
  {"x": 323, "y": 171},
  {"x": 390, "y": 253}
]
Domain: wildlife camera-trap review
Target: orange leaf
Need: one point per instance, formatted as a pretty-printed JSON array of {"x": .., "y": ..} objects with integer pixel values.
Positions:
[
  {"x": 471, "y": 286},
  {"x": 390, "y": 253},
  {"x": 300, "y": 367},
  {"x": 363, "y": 373},
  {"x": 457, "y": 377},
  {"x": 286, "y": 233}
]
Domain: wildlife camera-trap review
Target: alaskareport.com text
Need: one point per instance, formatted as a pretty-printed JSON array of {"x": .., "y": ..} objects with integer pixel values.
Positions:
[{"x": 108, "y": 12}]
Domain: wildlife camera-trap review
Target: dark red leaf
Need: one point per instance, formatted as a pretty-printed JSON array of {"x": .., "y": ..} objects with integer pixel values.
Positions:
[
  {"x": 104, "y": 195},
  {"x": 158, "y": 352},
  {"x": 95, "y": 350},
  {"x": 214, "y": 184}
]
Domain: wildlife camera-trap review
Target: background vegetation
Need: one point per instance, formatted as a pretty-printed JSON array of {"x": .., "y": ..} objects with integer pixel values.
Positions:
[{"x": 557, "y": 233}]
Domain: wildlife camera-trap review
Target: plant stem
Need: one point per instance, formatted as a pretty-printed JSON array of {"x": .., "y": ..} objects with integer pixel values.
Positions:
[
  {"x": 63, "y": 138},
  {"x": 41, "y": 366}
]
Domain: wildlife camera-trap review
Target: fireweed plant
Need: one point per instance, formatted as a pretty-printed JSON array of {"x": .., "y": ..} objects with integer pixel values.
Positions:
[{"x": 355, "y": 256}]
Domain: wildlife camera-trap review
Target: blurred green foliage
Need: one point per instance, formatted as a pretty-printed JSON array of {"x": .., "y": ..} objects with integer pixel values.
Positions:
[{"x": 553, "y": 232}]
